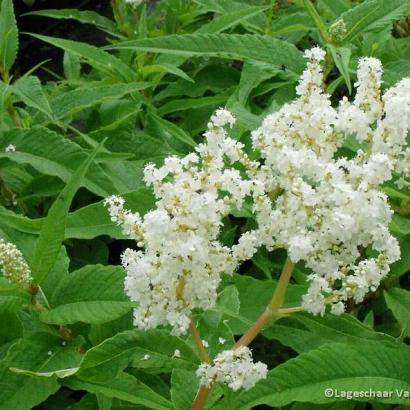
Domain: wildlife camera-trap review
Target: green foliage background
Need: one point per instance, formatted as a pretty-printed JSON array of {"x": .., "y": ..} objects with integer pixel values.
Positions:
[{"x": 149, "y": 93}]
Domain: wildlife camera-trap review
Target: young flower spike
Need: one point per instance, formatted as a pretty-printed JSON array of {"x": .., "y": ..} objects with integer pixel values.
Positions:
[{"x": 12, "y": 264}]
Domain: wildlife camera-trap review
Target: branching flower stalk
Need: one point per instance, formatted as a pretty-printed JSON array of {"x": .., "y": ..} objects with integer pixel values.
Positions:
[{"x": 323, "y": 209}]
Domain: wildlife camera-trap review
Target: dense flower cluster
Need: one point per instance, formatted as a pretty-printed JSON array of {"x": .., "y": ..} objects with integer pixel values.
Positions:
[
  {"x": 12, "y": 264},
  {"x": 325, "y": 209},
  {"x": 180, "y": 267},
  {"x": 234, "y": 368}
]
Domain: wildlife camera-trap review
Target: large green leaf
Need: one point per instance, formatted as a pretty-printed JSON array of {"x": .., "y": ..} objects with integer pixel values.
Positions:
[
  {"x": 303, "y": 332},
  {"x": 153, "y": 349},
  {"x": 124, "y": 387},
  {"x": 232, "y": 46},
  {"x": 373, "y": 15},
  {"x": 8, "y": 36},
  {"x": 339, "y": 367},
  {"x": 52, "y": 154},
  {"x": 41, "y": 353},
  {"x": 52, "y": 230},
  {"x": 92, "y": 294},
  {"x": 398, "y": 300},
  {"x": 97, "y": 58}
]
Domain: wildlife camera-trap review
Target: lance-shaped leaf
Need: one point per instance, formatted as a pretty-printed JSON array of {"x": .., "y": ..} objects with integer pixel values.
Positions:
[
  {"x": 52, "y": 231},
  {"x": 338, "y": 367}
]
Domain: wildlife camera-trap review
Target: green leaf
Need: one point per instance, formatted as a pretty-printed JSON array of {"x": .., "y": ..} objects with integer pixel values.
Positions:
[
  {"x": 52, "y": 231},
  {"x": 176, "y": 137},
  {"x": 402, "y": 266},
  {"x": 72, "y": 66},
  {"x": 232, "y": 46},
  {"x": 192, "y": 103},
  {"x": 92, "y": 294},
  {"x": 167, "y": 68},
  {"x": 8, "y": 36},
  {"x": 124, "y": 387},
  {"x": 39, "y": 354},
  {"x": 132, "y": 347},
  {"x": 341, "y": 57},
  {"x": 398, "y": 301},
  {"x": 373, "y": 15},
  {"x": 94, "y": 56},
  {"x": 87, "y": 17},
  {"x": 400, "y": 225},
  {"x": 76, "y": 100},
  {"x": 303, "y": 332},
  {"x": 87, "y": 222},
  {"x": 30, "y": 91},
  {"x": 52, "y": 154},
  {"x": 334, "y": 366},
  {"x": 229, "y": 20}
]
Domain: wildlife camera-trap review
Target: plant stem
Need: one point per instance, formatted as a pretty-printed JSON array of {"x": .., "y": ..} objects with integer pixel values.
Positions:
[
  {"x": 271, "y": 310},
  {"x": 287, "y": 311},
  {"x": 200, "y": 398},
  {"x": 203, "y": 354}
]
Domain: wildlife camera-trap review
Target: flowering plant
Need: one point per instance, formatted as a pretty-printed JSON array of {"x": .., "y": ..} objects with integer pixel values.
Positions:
[{"x": 323, "y": 209}]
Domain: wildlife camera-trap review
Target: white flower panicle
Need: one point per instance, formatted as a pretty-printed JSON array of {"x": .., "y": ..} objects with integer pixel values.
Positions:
[
  {"x": 179, "y": 267},
  {"x": 324, "y": 209},
  {"x": 327, "y": 210},
  {"x": 235, "y": 368},
  {"x": 12, "y": 264},
  {"x": 10, "y": 148}
]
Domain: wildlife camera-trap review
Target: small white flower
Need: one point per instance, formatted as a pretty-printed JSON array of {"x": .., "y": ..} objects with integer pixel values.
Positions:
[
  {"x": 146, "y": 357},
  {"x": 10, "y": 148},
  {"x": 223, "y": 117},
  {"x": 221, "y": 340},
  {"x": 177, "y": 354},
  {"x": 205, "y": 343},
  {"x": 50, "y": 353}
]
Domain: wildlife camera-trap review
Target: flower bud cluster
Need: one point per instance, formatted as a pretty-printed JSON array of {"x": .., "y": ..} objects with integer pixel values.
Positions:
[
  {"x": 235, "y": 368},
  {"x": 12, "y": 264}
]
